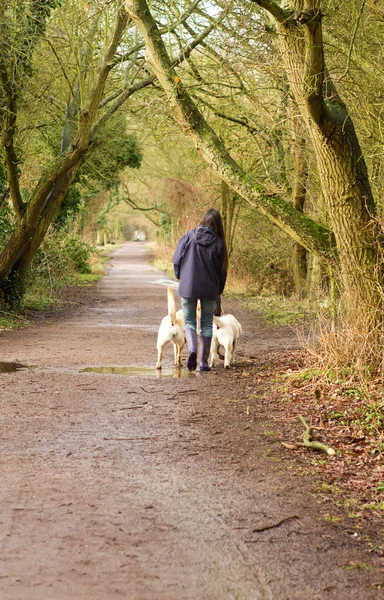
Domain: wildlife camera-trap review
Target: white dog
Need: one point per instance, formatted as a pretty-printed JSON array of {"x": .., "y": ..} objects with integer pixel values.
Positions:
[
  {"x": 171, "y": 330},
  {"x": 226, "y": 332}
]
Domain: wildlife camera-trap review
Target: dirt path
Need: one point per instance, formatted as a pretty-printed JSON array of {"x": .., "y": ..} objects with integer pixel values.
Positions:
[{"x": 148, "y": 488}]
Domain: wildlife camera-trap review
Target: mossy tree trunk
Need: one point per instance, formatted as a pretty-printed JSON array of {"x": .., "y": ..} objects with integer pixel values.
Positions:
[
  {"x": 342, "y": 169},
  {"x": 299, "y": 193},
  {"x": 229, "y": 211}
]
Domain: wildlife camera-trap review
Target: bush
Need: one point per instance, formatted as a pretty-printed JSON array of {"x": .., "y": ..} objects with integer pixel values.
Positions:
[
  {"x": 60, "y": 258},
  {"x": 79, "y": 252}
]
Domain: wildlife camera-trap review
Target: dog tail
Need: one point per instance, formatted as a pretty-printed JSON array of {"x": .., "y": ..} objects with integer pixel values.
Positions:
[{"x": 171, "y": 305}]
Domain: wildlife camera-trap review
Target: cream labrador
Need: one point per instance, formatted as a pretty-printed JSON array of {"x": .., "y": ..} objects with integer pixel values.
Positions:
[
  {"x": 226, "y": 332},
  {"x": 171, "y": 330}
]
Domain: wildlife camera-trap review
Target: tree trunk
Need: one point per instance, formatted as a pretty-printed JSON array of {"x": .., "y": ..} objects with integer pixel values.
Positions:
[
  {"x": 342, "y": 170},
  {"x": 313, "y": 281},
  {"x": 299, "y": 192},
  {"x": 12, "y": 290},
  {"x": 229, "y": 200}
]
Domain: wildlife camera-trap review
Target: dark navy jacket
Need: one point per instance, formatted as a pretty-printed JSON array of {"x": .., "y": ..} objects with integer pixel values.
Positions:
[{"x": 198, "y": 263}]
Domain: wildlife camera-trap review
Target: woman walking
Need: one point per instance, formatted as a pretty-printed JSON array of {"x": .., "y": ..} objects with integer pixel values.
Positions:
[{"x": 200, "y": 262}]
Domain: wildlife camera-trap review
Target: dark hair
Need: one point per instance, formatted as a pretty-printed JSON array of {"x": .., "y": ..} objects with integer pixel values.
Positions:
[{"x": 212, "y": 219}]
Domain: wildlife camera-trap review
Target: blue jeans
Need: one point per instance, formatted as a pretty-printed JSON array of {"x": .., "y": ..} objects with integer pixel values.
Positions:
[{"x": 206, "y": 319}]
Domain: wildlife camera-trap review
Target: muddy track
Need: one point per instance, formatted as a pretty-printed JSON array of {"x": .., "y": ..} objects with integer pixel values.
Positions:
[{"x": 120, "y": 484}]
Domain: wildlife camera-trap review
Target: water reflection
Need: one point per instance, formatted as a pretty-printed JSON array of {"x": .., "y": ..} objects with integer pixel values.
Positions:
[{"x": 176, "y": 373}]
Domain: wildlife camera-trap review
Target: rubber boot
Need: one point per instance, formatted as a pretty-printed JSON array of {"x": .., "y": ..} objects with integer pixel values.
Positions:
[
  {"x": 191, "y": 337},
  {"x": 205, "y": 353}
]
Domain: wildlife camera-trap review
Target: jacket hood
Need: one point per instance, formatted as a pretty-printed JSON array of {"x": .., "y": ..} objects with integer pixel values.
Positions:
[{"x": 205, "y": 236}]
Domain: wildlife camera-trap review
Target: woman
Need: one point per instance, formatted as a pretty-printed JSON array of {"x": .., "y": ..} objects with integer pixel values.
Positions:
[{"x": 200, "y": 262}]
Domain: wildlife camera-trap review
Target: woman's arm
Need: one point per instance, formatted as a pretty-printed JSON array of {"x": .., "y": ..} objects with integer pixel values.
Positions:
[
  {"x": 178, "y": 257},
  {"x": 223, "y": 279}
]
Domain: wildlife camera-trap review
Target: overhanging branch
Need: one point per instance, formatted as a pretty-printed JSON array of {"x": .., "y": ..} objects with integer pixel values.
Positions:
[
  {"x": 122, "y": 96},
  {"x": 142, "y": 209},
  {"x": 313, "y": 236},
  {"x": 274, "y": 9},
  {"x": 168, "y": 29}
]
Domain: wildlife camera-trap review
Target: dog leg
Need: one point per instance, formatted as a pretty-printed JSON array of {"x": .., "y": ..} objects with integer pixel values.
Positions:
[
  {"x": 213, "y": 355},
  {"x": 180, "y": 362},
  {"x": 228, "y": 356},
  {"x": 177, "y": 354},
  {"x": 159, "y": 357}
]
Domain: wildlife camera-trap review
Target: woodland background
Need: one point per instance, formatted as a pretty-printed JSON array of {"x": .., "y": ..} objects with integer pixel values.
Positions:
[{"x": 104, "y": 103}]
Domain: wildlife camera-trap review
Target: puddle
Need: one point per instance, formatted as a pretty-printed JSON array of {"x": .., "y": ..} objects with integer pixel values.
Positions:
[
  {"x": 167, "y": 282},
  {"x": 12, "y": 367},
  {"x": 139, "y": 372}
]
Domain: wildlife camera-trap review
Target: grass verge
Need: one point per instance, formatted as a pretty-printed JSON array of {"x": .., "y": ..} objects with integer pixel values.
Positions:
[
  {"x": 277, "y": 310},
  {"x": 46, "y": 294}
]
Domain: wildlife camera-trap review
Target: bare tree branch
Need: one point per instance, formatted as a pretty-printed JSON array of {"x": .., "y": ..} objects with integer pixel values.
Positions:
[
  {"x": 135, "y": 206},
  {"x": 353, "y": 40},
  {"x": 62, "y": 67},
  {"x": 122, "y": 96},
  {"x": 166, "y": 29},
  {"x": 312, "y": 235},
  {"x": 88, "y": 115}
]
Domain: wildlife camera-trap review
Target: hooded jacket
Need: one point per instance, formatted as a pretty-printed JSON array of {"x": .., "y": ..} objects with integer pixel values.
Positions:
[{"x": 198, "y": 263}]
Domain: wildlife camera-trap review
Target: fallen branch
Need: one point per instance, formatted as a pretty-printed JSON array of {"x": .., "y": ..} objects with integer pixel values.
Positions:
[
  {"x": 309, "y": 443},
  {"x": 258, "y": 529},
  {"x": 14, "y": 315},
  {"x": 130, "y": 439}
]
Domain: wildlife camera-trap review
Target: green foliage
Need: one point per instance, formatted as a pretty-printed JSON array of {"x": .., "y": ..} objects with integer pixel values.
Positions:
[
  {"x": 69, "y": 208},
  {"x": 166, "y": 225},
  {"x": 371, "y": 418},
  {"x": 128, "y": 152},
  {"x": 101, "y": 171},
  {"x": 117, "y": 151},
  {"x": 6, "y": 224},
  {"x": 60, "y": 257},
  {"x": 279, "y": 310},
  {"x": 24, "y": 23},
  {"x": 78, "y": 252}
]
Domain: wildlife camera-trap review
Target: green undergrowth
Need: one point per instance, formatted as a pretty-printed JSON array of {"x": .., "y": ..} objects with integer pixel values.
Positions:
[
  {"x": 45, "y": 295},
  {"x": 9, "y": 321},
  {"x": 278, "y": 310},
  {"x": 46, "y": 291},
  {"x": 75, "y": 264},
  {"x": 163, "y": 265}
]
